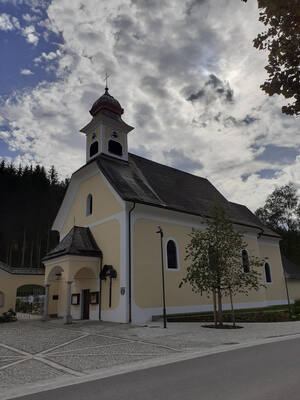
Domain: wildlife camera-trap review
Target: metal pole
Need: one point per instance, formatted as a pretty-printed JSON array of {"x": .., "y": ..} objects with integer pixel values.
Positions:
[
  {"x": 287, "y": 294},
  {"x": 163, "y": 275},
  {"x": 110, "y": 282}
]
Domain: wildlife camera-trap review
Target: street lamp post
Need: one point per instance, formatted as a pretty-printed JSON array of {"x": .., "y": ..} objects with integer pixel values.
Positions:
[{"x": 163, "y": 275}]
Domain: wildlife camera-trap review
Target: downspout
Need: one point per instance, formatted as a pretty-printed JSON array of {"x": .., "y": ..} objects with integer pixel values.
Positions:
[
  {"x": 287, "y": 291},
  {"x": 129, "y": 260},
  {"x": 100, "y": 287}
]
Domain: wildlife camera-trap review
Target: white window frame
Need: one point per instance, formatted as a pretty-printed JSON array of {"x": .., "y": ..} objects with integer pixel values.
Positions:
[
  {"x": 87, "y": 205},
  {"x": 248, "y": 260},
  {"x": 177, "y": 255},
  {"x": 89, "y": 150},
  {"x": 267, "y": 283},
  {"x": 117, "y": 141}
]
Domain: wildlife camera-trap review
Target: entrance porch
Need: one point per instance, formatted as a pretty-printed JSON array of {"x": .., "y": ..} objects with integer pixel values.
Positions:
[{"x": 72, "y": 276}]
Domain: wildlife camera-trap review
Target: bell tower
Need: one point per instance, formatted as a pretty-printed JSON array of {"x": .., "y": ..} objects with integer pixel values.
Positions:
[{"x": 106, "y": 133}]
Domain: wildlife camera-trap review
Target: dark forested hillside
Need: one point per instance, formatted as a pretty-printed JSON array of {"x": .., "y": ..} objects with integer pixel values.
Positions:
[{"x": 29, "y": 200}]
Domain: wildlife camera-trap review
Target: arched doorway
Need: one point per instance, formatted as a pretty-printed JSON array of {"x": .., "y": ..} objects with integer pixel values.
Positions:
[{"x": 30, "y": 299}]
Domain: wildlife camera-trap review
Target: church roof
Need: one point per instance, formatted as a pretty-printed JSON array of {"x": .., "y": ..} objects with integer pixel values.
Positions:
[
  {"x": 78, "y": 242},
  {"x": 291, "y": 270},
  {"x": 148, "y": 182}
]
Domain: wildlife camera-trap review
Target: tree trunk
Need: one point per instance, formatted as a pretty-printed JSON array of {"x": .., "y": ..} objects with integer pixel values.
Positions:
[
  {"x": 31, "y": 253},
  {"x": 38, "y": 251},
  {"x": 215, "y": 306},
  {"x": 48, "y": 241},
  {"x": 10, "y": 255},
  {"x": 7, "y": 254},
  {"x": 220, "y": 312},
  {"x": 23, "y": 249},
  {"x": 232, "y": 309}
]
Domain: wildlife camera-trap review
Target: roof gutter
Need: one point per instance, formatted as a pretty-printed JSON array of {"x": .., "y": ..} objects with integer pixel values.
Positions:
[{"x": 200, "y": 215}]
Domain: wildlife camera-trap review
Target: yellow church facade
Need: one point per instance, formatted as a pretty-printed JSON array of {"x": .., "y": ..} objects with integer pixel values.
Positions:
[{"x": 107, "y": 265}]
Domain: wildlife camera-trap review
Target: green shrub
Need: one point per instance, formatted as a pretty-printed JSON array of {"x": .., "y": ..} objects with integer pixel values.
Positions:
[{"x": 8, "y": 316}]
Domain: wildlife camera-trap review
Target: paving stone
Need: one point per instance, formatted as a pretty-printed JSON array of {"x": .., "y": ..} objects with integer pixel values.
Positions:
[
  {"x": 89, "y": 362},
  {"x": 34, "y": 336},
  {"x": 110, "y": 344},
  {"x": 90, "y": 342},
  {"x": 4, "y": 352},
  {"x": 27, "y": 372}
]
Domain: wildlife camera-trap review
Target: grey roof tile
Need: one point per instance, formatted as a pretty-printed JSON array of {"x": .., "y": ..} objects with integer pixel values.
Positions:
[
  {"x": 145, "y": 181},
  {"x": 79, "y": 242}
]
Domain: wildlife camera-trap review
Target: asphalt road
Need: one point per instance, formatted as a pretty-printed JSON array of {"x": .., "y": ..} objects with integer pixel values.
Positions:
[{"x": 265, "y": 372}]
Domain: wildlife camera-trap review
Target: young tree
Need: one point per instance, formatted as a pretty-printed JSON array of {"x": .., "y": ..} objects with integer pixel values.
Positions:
[{"x": 215, "y": 262}]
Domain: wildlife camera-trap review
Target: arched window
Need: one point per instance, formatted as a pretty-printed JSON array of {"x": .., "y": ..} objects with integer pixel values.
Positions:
[
  {"x": 89, "y": 205},
  {"x": 115, "y": 148},
  {"x": 94, "y": 148},
  {"x": 268, "y": 273},
  {"x": 172, "y": 261},
  {"x": 246, "y": 263},
  {"x": 1, "y": 299}
]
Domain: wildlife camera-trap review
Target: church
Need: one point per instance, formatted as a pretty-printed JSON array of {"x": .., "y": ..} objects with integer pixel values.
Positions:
[{"x": 107, "y": 265}]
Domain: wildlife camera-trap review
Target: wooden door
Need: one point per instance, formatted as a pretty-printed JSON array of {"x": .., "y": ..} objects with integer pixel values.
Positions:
[{"x": 86, "y": 304}]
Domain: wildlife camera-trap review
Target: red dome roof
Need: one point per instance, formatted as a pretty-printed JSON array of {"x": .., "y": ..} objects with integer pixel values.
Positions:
[{"x": 107, "y": 102}]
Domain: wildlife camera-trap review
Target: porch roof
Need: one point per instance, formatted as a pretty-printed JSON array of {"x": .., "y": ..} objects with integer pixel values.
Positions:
[{"x": 79, "y": 242}]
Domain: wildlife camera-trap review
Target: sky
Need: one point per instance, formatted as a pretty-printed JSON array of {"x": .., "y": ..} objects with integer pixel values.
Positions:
[{"x": 185, "y": 72}]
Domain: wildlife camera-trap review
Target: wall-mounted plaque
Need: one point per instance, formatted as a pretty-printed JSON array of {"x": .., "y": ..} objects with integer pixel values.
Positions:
[
  {"x": 75, "y": 300},
  {"x": 94, "y": 297}
]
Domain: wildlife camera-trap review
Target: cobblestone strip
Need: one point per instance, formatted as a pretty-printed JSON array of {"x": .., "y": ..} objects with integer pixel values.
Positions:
[
  {"x": 14, "y": 363},
  {"x": 59, "y": 367},
  {"x": 62, "y": 344},
  {"x": 39, "y": 357},
  {"x": 130, "y": 340},
  {"x": 23, "y": 353}
]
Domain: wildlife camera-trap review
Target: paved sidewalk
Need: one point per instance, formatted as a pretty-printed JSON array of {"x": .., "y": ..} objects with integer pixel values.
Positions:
[{"x": 35, "y": 353}]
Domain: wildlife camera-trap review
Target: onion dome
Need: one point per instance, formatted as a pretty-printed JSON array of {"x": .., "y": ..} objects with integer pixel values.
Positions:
[{"x": 106, "y": 102}]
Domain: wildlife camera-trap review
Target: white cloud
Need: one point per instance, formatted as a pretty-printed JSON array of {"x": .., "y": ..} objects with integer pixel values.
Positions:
[
  {"x": 9, "y": 23},
  {"x": 30, "y": 34},
  {"x": 159, "y": 54},
  {"x": 30, "y": 18},
  {"x": 47, "y": 57},
  {"x": 26, "y": 72},
  {"x": 6, "y": 23}
]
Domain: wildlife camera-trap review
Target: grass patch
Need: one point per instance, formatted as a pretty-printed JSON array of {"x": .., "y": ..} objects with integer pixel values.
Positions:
[{"x": 267, "y": 314}]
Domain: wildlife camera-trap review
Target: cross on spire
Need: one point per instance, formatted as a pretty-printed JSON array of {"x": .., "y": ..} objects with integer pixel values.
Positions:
[{"x": 106, "y": 78}]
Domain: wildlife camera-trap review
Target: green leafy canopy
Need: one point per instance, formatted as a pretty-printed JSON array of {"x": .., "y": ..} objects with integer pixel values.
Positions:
[
  {"x": 282, "y": 41},
  {"x": 214, "y": 257}
]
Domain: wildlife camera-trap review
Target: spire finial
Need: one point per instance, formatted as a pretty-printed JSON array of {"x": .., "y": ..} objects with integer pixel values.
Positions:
[{"x": 106, "y": 79}]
